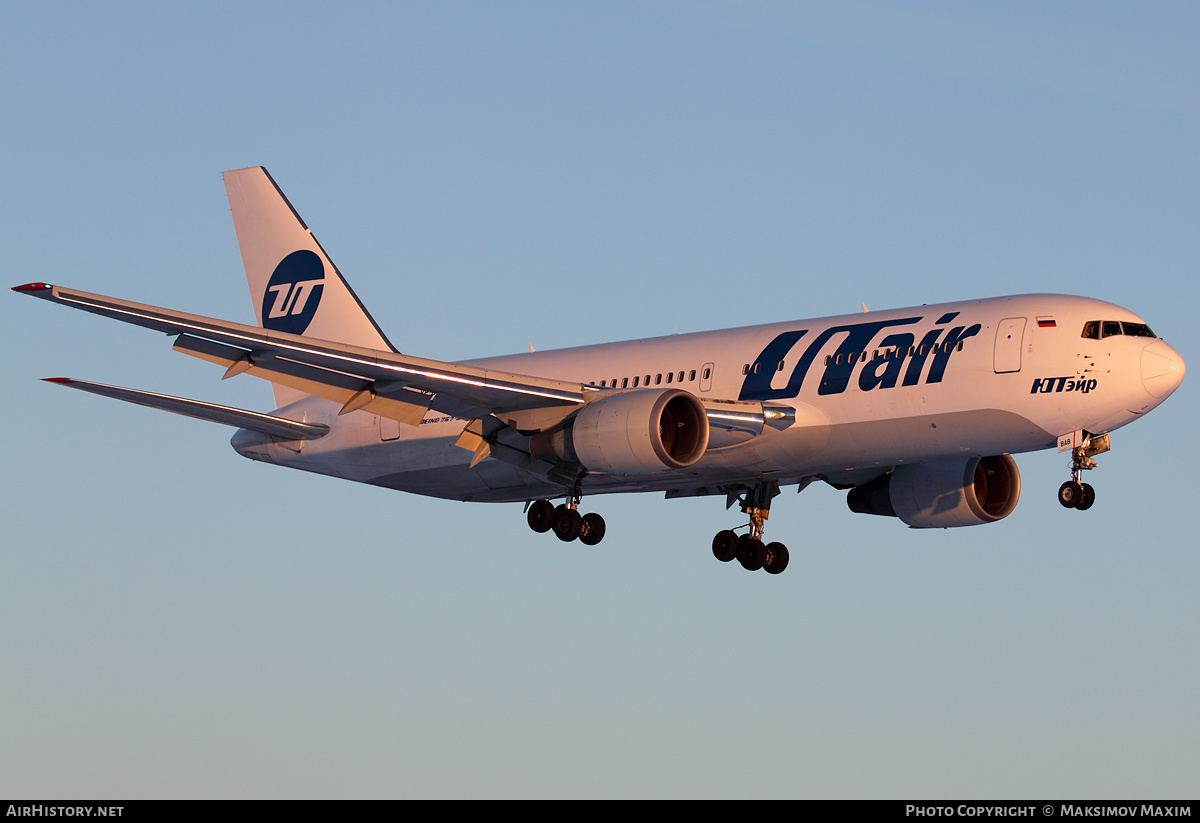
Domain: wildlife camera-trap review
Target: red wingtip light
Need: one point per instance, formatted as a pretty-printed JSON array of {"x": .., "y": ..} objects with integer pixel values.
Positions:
[
  {"x": 57, "y": 380},
  {"x": 33, "y": 287}
]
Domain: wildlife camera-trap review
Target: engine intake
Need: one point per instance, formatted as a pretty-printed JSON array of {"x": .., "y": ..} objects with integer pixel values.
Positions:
[
  {"x": 632, "y": 433},
  {"x": 943, "y": 494}
]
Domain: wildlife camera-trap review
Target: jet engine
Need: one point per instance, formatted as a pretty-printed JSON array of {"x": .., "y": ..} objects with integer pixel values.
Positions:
[
  {"x": 632, "y": 433},
  {"x": 944, "y": 493}
]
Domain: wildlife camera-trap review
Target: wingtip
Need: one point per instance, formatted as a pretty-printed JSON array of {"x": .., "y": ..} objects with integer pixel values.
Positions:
[
  {"x": 33, "y": 287},
  {"x": 57, "y": 380}
]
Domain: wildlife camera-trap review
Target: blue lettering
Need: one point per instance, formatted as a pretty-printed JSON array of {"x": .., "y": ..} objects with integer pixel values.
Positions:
[
  {"x": 955, "y": 336},
  {"x": 859, "y": 337},
  {"x": 883, "y": 372},
  {"x": 1046, "y": 385},
  {"x": 873, "y": 376},
  {"x": 757, "y": 385},
  {"x": 924, "y": 349}
]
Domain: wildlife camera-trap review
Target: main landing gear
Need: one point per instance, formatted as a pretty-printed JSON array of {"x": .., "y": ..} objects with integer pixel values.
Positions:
[
  {"x": 1075, "y": 494},
  {"x": 566, "y": 522},
  {"x": 749, "y": 548}
]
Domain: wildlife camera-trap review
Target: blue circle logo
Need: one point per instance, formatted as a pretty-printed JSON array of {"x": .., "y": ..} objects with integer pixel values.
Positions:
[{"x": 293, "y": 293}]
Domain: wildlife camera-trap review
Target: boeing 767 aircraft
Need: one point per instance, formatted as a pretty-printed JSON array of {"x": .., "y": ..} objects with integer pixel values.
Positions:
[{"x": 915, "y": 412}]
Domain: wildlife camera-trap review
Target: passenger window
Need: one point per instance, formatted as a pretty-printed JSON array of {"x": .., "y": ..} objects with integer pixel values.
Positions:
[
  {"x": 707, "y": 373},
  {"x": 657, "y": 379},
  {"x": 745, "y": 369},
  {"x": 624, "y": 382},
  {"x": 1111, "y": 328},
  {"x": 635, "y": 382},
  {"x": 681, "y": 376},
  {"x": 691, "y": 375},
  {"x": 780, "y": 366},
  {"x": 646, "y": 382},
  {"x": 669, "y": 376}
]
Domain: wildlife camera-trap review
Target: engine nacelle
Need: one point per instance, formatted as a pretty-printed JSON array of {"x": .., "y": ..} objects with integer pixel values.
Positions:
[
  {"x": 633, "y": 433},
  {"x": 943, "y": 494}
]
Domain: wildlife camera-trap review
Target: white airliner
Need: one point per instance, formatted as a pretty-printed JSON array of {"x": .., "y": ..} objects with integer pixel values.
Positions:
[{"x": 914, "y": 411}]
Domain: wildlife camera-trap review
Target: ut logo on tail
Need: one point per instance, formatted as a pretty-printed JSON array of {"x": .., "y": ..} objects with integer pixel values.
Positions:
[{"x": 293, "y": 293}]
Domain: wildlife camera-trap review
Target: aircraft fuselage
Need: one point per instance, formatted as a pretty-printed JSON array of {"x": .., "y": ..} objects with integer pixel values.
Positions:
[{"x": 858, "y": 392}]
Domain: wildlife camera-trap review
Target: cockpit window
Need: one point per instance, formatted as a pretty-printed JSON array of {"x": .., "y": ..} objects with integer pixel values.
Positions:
[{"x": 1096, "y": 329}]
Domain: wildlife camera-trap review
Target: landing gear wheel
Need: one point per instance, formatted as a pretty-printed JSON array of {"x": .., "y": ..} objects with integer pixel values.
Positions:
[
  {"x": 1070, "y": 493},
  {"x": 540, "y": 516},
  {"x": 591, "y": 529},
  {"x": 751, "y": 553},
  {"x": 776, "y": 558},
  {"x": 567, "y": 524},
  {"x": 1087, "y": 498},
  {"x": 725, "y": 546}
]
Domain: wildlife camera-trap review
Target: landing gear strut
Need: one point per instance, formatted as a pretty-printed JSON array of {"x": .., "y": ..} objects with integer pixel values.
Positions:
[
  {"x": 1075, "y": 494},
  {"x": 749, "y": 548}
]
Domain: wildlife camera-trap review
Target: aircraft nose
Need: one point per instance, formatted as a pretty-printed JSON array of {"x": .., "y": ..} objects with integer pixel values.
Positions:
[{"x": 1162, "y": 369}]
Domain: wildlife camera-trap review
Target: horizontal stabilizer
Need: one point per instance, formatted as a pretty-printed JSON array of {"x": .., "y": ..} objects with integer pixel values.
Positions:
[{"x": 255, "y": 421}]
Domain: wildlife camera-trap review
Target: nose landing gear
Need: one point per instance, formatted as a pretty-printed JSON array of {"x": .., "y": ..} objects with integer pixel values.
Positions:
[{"x": 1075, "y": 494}]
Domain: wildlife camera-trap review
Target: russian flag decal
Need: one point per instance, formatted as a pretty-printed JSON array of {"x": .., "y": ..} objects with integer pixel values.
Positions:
[{"x": 1046, "y": 323}]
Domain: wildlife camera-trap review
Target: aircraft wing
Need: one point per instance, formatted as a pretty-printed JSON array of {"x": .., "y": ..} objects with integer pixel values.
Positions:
[
  {"x": 255, "y": 421},
  {"x": 388, "y": 383}
]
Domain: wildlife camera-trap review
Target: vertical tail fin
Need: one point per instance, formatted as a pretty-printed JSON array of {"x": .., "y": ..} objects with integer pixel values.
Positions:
[{"x": 294, "y": 286}]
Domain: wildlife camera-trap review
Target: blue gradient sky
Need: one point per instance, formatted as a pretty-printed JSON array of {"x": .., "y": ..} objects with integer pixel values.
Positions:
[{"x": 176, "y": 621}]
